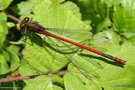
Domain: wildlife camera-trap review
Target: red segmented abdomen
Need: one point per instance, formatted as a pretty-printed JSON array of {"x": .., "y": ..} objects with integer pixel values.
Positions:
[{"x": 114, "y": 58}]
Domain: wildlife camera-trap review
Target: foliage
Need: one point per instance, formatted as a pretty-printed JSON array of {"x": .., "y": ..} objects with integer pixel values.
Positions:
[{"x": 108, "y": 26}]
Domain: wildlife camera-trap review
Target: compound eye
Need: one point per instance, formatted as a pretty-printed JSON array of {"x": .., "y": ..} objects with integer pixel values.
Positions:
[
  {"x": 26, "y": 19},
  {"x": 22, "y": 25}
]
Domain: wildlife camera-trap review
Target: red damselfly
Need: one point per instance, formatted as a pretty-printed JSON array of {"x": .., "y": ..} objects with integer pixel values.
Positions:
[
  {"x": 35, "y": 27},
  {"x": 31, "y": 26}
]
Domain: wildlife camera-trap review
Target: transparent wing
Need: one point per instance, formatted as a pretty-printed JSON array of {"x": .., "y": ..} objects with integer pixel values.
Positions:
[
  {"x": 76, "y": 34},
  {"x": 82, "y": 55},
  {"x": 80, "y": 64}
]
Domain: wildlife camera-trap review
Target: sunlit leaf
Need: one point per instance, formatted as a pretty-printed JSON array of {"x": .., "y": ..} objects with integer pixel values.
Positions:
[{"x": 4, "y": 4}]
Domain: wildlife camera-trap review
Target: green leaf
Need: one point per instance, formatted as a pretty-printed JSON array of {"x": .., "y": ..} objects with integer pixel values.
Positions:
[
  {"x": 15, "y": 63},
  {"x": 3, "y": 28},
  {"x": 111, "y": 75},
  {"x": 105, "y": 23},
  {"x": 73, "y": 7},
  {"x": 14, "y": 49},
  {"x": 9, "y": 61},
  {"x": 4, "y": 4},
  {"x": 26, "y": 69},
  {"x": 14, "y": 59},
  {"x": 110, "y": 2},
  {"x": 58, "y": 80},
  {"x": 57, "y": 88},
  {"x": 39, "y": 83},
  {"x": 105, "y": 37},
  {"x": 45, "y": 58},
  {"x": 132, "y": 40},
  {"x": 96, "y": 11},
  {"x": 4, "y": 68},
  {"x": 25, "y": 8},
  {"x": 10, "y": 24},
  {"x": 129, "y": 33},
  {"x": 73, "y": 83},
  {"x": 123, "y": 18}
]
